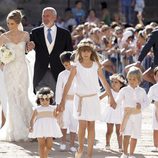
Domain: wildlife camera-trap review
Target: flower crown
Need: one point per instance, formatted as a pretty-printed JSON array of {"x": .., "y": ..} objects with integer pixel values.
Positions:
[
  {"x": 86, "y": 43},
  {"x": 119, "y": 78},
  {"x": 44, "y": 96}
]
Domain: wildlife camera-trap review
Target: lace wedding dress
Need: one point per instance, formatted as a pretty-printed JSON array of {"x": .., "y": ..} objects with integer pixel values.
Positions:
[{"x": 19, "y": 108}]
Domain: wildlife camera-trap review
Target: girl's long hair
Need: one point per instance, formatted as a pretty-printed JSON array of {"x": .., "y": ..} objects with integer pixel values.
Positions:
[{"x": 86, "y": 45}]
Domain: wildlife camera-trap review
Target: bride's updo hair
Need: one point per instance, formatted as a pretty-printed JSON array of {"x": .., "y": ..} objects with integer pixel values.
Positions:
[{"x": 15, "y": 15}]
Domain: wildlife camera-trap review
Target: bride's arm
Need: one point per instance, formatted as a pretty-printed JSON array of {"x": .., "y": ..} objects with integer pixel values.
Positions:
[
  {"x": 29, "y": 44},
  {"x": 27, "y": 37},
  {"x": 1, "y": 43},
  {"x": 1, "y": 40}
]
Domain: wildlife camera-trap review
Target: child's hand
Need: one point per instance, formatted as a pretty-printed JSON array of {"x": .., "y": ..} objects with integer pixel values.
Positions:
[
  {"x": 138, "y": 106},
  {"x": 113, "y": 106},
  {"x": 112, "y": 103},
  {"x": 56, "y": 112},
  {"x": 62, "y": 107},
  {"x": 58, "y": 108},
  {"x": 30, "y": 129},
  {"x": 100, "y": 97},
  {"x": 60, "y": 120}
]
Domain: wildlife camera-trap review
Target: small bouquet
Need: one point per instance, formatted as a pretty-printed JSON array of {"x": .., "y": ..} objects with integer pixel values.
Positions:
[{"x": 6, "y": 55}]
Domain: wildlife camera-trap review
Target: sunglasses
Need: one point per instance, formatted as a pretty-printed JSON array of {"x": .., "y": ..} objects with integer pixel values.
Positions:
[{"x": 44, "y": 99}]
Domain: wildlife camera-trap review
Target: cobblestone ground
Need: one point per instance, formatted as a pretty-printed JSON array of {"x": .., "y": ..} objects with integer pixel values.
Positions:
[{"x": 29, "y": 149}]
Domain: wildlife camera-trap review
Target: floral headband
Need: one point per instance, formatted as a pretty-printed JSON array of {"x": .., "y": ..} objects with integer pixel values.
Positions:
[
  {"x": 44, "y": 96},
  {"x": 86, "y": 42},
  {"x": 119, "y": 78}
]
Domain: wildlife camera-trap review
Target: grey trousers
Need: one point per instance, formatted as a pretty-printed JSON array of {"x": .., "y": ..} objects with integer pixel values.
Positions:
[{"x": 47, "y": 81}]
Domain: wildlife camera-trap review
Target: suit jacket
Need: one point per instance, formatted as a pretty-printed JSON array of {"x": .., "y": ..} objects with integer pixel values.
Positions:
[
  {"x": 151, "y": 43},
  {"x": 63, "y": 42}
]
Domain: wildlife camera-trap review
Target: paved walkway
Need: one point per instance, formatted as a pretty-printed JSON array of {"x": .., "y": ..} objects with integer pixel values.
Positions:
[{"x": 29, "y": 149}]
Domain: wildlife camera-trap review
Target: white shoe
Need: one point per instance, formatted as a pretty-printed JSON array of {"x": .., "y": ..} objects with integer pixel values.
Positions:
[
  {"x": 132, "y": 156},
  {"x": 63, "y": 147},
  {"x": 73, "y": 149},
  {"x": 107, "y": 147},
  {"x": 155, "y": 149},
  {"x": 124, "y": 156},
  {"x": 120, "y": 150}
]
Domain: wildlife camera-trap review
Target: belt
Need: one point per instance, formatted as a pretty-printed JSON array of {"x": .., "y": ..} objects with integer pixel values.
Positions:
[
  {"x": 79, "y": 110},
  {"x": 44, "y": 114}
]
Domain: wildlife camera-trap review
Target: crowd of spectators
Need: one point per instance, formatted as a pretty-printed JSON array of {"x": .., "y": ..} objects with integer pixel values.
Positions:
[{"x": 118, "y": 42}]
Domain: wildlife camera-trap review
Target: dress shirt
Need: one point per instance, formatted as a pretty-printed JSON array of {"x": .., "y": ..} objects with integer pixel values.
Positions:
[
  {"x": 61, "y": 81},
  {"x": 129, "y": 97},
  {"x": 153, "y": 93},
  {"x": 53, "y": 34}
]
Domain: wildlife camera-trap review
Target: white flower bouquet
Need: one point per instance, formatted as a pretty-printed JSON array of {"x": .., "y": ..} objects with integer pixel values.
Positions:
[{"x": 6, "y": 55}]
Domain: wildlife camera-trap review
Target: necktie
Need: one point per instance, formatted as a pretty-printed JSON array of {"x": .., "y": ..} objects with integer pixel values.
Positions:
[{"x": 49, "y": 36}]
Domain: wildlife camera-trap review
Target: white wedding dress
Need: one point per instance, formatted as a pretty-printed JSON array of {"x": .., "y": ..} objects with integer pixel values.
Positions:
[{"x": 19, "y": 108}]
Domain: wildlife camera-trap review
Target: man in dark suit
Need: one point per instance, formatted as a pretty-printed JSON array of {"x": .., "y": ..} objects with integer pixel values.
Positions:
[
  {"x": 152, "y": 42},
  {"x": 50, "y": 41}
]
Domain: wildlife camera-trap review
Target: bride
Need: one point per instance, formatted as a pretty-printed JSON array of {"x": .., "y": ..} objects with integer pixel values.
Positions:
[{"x": 19, "y": 108}]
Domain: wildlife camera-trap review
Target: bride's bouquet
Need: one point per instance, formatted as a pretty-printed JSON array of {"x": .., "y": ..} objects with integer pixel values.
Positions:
[{"x": 6, "y": 55}]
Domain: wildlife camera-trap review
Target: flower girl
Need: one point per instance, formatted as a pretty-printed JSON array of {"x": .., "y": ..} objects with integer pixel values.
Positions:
[
  {"x": 86, "y": 99},
  {"x": 113, "y": 117},
  {"x": 43, "y": 124}
]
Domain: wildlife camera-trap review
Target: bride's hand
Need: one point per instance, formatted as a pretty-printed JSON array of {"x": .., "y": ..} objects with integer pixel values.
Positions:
[{"x": 30, "y": 45}]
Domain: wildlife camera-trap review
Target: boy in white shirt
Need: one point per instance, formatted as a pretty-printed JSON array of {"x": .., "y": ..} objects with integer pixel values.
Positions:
[
  {"x": 69, "y": 122},
  {"x": 134, "y": 99},
  {"x": 153, "y": 97}
]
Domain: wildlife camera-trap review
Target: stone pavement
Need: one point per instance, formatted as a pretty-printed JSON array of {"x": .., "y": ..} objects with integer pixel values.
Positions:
[{"x": 143, "y": 149}]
